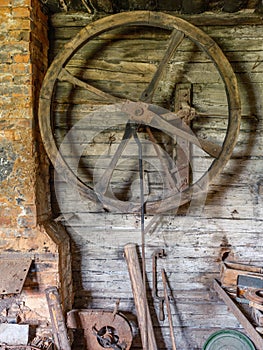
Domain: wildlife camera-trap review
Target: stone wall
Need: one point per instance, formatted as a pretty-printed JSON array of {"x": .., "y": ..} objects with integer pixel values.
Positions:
[{"x": 26, "y": 228}]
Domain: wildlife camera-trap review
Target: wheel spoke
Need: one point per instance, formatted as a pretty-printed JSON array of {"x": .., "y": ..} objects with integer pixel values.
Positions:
[
  {"x": 141, "y": 112},
  {"x": 210, "y": 148},
  {"x": 162, "y": 124},
  {"x": 174, "y": 41},
  {"x": 65, "y": 75},
  {"x": 104, "y": 181}
]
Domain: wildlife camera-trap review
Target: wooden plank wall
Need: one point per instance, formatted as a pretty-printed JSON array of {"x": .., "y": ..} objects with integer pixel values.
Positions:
[{"x": 194, "y": 240}]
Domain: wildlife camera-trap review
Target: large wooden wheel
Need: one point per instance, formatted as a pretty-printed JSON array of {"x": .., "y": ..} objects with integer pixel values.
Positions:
[{"x": 142, "y": 111}]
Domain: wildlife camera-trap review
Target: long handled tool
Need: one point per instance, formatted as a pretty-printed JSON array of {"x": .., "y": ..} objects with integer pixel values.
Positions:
[
  {"x": 167, "y": 302},
  {"x": 57, "y": 319},
  {"x": 142, "y": 308}
]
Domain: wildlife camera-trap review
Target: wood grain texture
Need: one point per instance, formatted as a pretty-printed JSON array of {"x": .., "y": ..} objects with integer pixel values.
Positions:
[
  {"x": 140, "y": 298},
  {"x": 194, "y": 240}
]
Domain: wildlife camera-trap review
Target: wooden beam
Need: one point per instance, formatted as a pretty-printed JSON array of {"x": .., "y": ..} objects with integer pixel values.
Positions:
[{"x": 246, "y": 324}]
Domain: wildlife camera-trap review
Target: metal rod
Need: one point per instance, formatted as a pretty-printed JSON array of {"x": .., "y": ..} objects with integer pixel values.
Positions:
[
  {"x": 141, "y": 172},
  {"x": 167, "y": 302}
]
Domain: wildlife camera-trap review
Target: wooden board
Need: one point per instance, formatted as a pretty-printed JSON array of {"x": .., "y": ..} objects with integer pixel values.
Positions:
[{"x": 229, "y": 221}]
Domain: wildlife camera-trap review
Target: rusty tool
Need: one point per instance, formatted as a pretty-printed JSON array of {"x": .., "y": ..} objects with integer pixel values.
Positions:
[
  {"x": 159, "y": 253},
  {"x": 249, "y": 328},
  {"x": 107, "y": 338},
  {"x": 142, "y": 308},
  {"x": 102, "y": 328},
  {"x": 167, "y": 302}
]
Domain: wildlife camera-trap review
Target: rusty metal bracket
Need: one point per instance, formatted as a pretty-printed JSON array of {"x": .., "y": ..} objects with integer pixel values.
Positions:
[
  {"x": 107, "y": 338},
  {"x": 13, "y": 273},
  {"x": 159, "y": 253},
  {"x": 102, "y": 328}
]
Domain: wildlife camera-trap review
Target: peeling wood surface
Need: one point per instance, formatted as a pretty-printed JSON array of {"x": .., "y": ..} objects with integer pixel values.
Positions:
[
  {"x": 184, "y": 6},
  {"x": 194, "y": 238},
  {"x": 246, "y": 16}
]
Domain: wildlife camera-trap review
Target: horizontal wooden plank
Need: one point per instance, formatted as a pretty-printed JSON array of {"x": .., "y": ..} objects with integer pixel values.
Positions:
[
  {"x": 235, "y": 201},
  {"x": 212, "y": 18},
  {"x": 170, "y": 225},
  {"x": 208, "y": 99}
]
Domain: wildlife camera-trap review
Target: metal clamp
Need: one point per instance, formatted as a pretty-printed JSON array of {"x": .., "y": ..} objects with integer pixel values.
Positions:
[{"x": 159, "y": 253}]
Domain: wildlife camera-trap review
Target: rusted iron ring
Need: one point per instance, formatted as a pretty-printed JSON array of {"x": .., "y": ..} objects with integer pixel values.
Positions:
[{"x": 254, "y": 295}]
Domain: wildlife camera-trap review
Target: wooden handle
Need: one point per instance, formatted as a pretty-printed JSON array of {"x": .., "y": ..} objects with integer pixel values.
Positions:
[
  {"x": 138, "y": 290},
  {"x": 167, "y": 302},
  {"x": 57, "y": 320}
]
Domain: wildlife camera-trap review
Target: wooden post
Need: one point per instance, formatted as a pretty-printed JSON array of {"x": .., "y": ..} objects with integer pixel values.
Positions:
[{"x": 142, "y": 308}]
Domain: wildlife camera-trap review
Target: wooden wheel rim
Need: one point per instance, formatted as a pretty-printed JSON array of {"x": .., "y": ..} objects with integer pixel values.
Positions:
[{"x": 153, "y": 19}]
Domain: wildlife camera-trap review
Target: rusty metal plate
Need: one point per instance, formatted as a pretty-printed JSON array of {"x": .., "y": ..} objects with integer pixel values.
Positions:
[
  {"x": 13, "y": 274},
  {"x": 100, "y": 323}
]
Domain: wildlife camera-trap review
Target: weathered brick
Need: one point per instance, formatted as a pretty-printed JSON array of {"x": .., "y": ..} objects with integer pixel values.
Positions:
[
  {"x": 26, "y": 221},
  {"x": 4, "y": 3},
  {"x": 21, "y": 80},
  {"x": 7, "y": 102},
  {"x": 9, "y": 134},
  {"x": 21, "y": 68},
  {"x": 5, "y": 15},
  {"x": 13, "y": 47},
  {"x": 21, "y": 124},
  {"x": 5, "y": 57},
  {"x": 20, "y": 102},
  {"x": 6, "y": 78},
  {"x": 22, "y": 23},
  {"x": 21, "y": 204},
  {"x": 19, "y": 35},
  {"x": 21, "y": 12},
  {"x": 5, "y": 90},
  {"x": 21, "y": 58},
  {"x": 17, "y": 3},
  {"x": 21, "y": 91},
  {"x": 11, "y": 115},
  {"x": 5, "y": 68},
  {"x": 4, "y": 10},
  {"x": 5, "y": 221}
]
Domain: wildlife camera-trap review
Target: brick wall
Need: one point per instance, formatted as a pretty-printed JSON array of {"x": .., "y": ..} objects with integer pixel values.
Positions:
[{"x": 25, "y": 225}]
